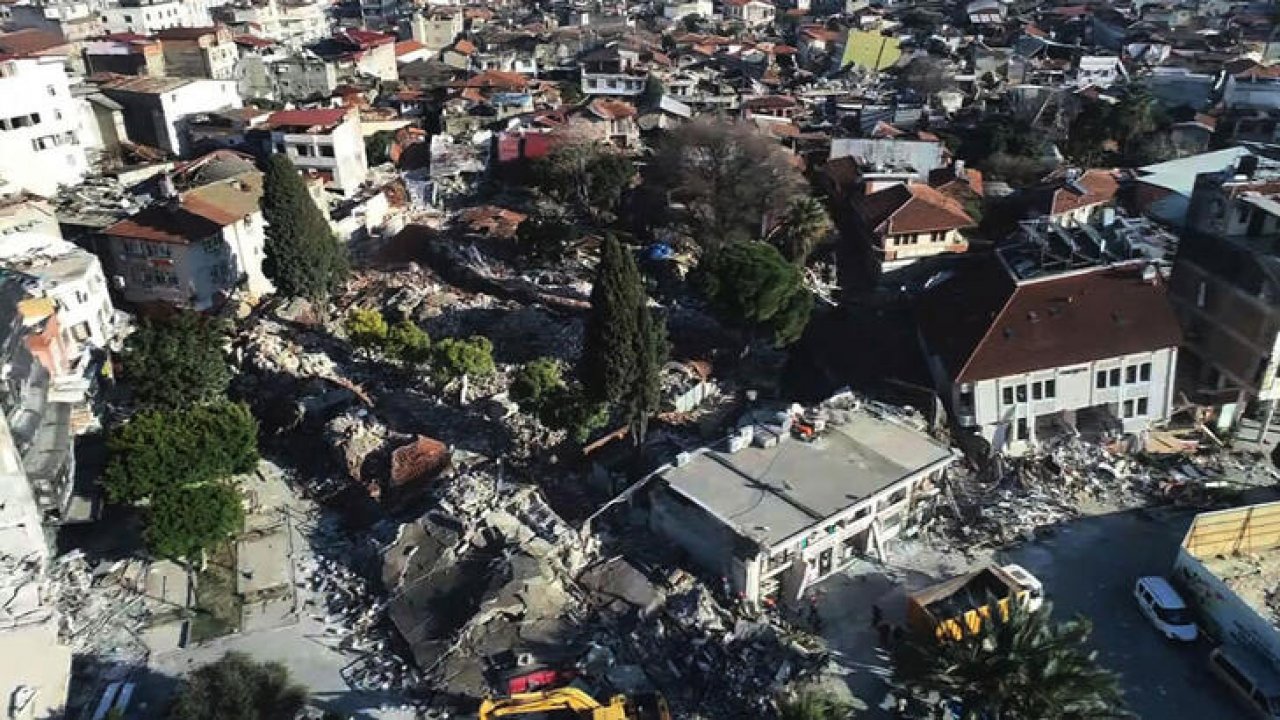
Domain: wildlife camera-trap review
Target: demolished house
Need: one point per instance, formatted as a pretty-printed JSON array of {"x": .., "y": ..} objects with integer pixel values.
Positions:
[{"x": 774, "y": 515}]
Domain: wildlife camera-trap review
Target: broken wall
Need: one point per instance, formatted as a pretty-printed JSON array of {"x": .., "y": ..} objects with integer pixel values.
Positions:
[{"x": 706, "y": 539}]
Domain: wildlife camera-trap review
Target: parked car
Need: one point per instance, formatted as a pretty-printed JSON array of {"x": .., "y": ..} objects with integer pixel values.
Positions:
[
  {"x": 1165, "y": 608},
  {"x": 1251, "y": 678},
  {"x": 1028, "y": 582}
]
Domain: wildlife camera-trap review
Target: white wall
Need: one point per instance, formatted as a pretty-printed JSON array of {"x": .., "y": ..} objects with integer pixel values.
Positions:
[
  {"x": 147, "y": 19},
  {"x": 198, "y": 96},
  {"x": 348, "y": 163},
  {"x": 47, "y": 152},
  {"x": 1075, "y": 387}
]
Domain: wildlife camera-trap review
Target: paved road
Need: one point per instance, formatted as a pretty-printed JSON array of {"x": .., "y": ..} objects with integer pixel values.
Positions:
[{"x": 1088, "y": 568}]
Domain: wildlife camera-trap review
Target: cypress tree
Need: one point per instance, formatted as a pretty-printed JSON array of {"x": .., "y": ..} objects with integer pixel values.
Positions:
[
  {"x": 645, "y": 391},
  {"x": 609, "y": 354},
  {"x": 303, "y": 258}
]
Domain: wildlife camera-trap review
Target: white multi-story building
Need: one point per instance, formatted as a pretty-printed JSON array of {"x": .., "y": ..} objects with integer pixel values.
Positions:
[
  {"x": 193, "y": 249},
  {"x": 39, "y": 142},
  {"x": 155, "y": 109},
  {"x": 327, "y": 142},
  {"x": 680, "y": 9},
  {"x": 147, "y": 17},
  {"x": 437, "y": 29},
  {"x": 752, "y": 13},
  {"x": 1051, "y": 337},
  {"x": 70, "y": 277},
  {"x": 614, "y": 71},
  {"x": 293, "y": 24}
]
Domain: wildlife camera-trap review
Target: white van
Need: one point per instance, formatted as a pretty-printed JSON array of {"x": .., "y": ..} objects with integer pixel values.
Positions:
[
  {"x": 1028, "y": 582},
  {"x": 1253, "y": 680},
  {"x": 1165, "y": 608}
]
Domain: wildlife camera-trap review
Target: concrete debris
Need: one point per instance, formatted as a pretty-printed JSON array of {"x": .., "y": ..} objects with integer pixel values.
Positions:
[
  {"x": 1018, "y": 497},
  {"x": 103, "y": 613},
  {"x": 355, "y": 621}
]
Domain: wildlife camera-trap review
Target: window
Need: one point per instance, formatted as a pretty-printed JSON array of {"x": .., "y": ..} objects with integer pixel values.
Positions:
[
  {"x": 1022, "y": 429},
  {"x": 1142, "y": 407},
  {"x": 897, "y": 497},
  {"x": 1102, "y": 379},
  {"x": 1113, "y": 377},
  {"x": 1022, "y": 393},
  {"x": 1144, "y": 372},
  {"x": 1008, "y": 396},
  {"x": 128, "y": 18},
  {"x": 1051, "y": 388},
  {"x": 1128, "y": 409},
  {"x": 1131, "y": 375},
  {"x": 51, "y": 89},
  {"x": 1037, "y": 391},
  {"x": 326, "y": 151}
]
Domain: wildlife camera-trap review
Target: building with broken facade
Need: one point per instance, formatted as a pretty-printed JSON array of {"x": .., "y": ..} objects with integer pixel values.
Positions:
[
  {"x": 1226, "y": 286},
  {"x": 1062, "y": 331},
  {"x": 774, "y": 515},
  {"x": 202, "y": 240}
]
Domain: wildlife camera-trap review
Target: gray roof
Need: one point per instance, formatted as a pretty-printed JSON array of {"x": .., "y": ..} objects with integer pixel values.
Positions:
[{"x": 771, "y": 494}]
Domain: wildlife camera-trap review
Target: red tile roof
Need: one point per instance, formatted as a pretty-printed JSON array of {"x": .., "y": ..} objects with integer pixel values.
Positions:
[
  {"x": 365, "y": 39},
  {"x": 771, "y": 102},
  {"x": 611, "y": 109},
  {"x": 186, "y": 33},
  {"x": 984, "y": 326},
  {"x": 199, "y": 213},
  {"x": 30, "y": 42},
  {"x": 253, "y": 41},
  {"x": 318, "y": 117},
  {"x": 408, "y": 46},
  {"x": 1100, "y": 186},
  {"x": 497, "y": 80},
  {"x": 945, "y": 181},
  {"x": 912, "y": 208},
  {"x": 464, "y": 47}
]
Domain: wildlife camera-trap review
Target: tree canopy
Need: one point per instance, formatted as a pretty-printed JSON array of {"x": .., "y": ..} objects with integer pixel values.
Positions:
[
  {"x": 303, "y": 258},
  {"x": 158, "y": 449},
  {"x": 366, "y": 328},
  {"x": 752, "y": 286},
  {"x": 1020, "y": 667},
  {"x": 237, "y": 687},
  {"x": 609, "y": 351},
  {"x": 728, "y": 176},
  {"x": 454, "y": 357},
  {"x": 535, "y": 382},
  {"x": 588, "y": 176},
  {"x": 182, "y": 521},
  {"x": 813, "y": 704},
  {"x": 178, "y": 463},
  {"x": 1129, "y": 132},
  {"x": 377, "y": 147},
  {"x": 1008, "y": 149},
  {"x": 546, "y": 233},
  {"x": 625, "y": 344},
  {"x": 176, "y": 362},
  {"x": 805, "y": 225},
  {"x": 408, "y": 343}
]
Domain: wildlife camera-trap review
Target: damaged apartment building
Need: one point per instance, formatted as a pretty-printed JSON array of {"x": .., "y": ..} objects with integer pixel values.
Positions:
[
  {"x": 1063, "y": 330},
  {"x": 774, "y": 514},
  {"x": 1226, "y": 288}
]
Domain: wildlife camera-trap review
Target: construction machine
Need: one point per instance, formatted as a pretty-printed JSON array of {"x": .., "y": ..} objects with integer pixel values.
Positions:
[{"x": 570, "y": 703}]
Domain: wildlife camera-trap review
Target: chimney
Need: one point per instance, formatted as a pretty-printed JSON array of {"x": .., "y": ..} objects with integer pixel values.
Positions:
[
  {"x": 168, "y": 191},
  {"x": 960, "y": 174}
]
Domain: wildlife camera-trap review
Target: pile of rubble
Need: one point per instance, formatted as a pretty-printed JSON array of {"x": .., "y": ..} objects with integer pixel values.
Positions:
[
  {"x": 102, "y": 614},
  {"x": 1016, "y": 497},
  {"x": 356, "y": 620}
]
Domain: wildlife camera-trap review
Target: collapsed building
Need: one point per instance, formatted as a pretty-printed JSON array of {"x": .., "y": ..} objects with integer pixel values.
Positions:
[{"x": 774, "y": 515}]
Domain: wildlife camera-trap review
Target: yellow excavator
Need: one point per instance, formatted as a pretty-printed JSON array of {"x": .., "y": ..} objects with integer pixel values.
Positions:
[{"x": 570, "y": 703}]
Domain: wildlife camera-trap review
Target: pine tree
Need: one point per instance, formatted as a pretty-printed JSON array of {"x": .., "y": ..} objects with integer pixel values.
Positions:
[
  {"x": 609, "y": 357},
  {"x": 303, "y": 258}
]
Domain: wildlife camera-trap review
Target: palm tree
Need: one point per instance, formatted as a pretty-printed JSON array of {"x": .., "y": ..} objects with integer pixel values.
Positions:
[
  {"x": 813, "y": 704},
  {"x": 805, "y": 224},
  {"x": 1019, "y": 667}
]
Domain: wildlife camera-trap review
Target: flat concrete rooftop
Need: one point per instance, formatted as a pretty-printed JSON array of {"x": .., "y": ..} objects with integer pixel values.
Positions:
[{"x": 770, "y": 494}]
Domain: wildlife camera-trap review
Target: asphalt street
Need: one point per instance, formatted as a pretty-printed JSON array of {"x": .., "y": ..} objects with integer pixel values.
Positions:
[{"x": 1088, "y": 568}]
